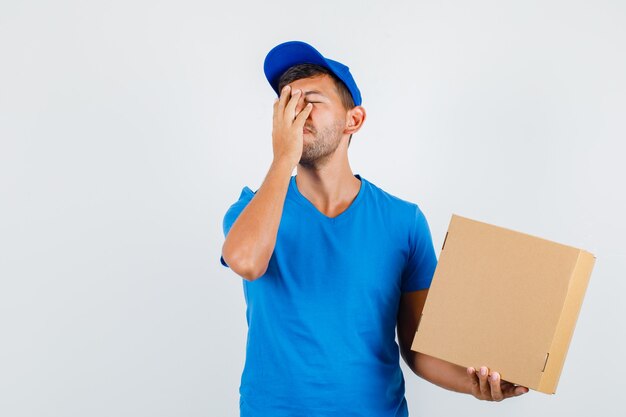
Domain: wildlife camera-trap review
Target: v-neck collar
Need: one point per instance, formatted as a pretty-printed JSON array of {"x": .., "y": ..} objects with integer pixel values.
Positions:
[{"x": 344, "y": 214}]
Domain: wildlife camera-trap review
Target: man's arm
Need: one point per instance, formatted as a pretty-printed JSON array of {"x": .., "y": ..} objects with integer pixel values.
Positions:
[
  {"x": 480, "y": 383},
  {"x": 251, "y": 239}
]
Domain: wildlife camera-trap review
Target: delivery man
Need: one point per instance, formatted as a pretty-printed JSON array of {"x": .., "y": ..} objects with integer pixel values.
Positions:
[{"x": 331, "y": 263}]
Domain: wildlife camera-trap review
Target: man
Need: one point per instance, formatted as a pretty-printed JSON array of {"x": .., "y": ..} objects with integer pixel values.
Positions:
[{"x": 331, "y": 264}]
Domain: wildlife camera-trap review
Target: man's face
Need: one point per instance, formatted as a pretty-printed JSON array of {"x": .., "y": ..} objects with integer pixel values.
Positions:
[{"x": 324, "y": 128}]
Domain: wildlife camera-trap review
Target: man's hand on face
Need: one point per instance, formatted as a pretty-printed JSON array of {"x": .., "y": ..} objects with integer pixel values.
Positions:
[
  {"x": 287, "y": 133},
  {"x": 488, "y": 386}
]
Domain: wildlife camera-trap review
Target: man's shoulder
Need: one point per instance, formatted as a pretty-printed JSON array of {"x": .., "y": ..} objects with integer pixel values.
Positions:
[
  {"x": 385, "y": 197},
  {"x": 245, "y": 195}
]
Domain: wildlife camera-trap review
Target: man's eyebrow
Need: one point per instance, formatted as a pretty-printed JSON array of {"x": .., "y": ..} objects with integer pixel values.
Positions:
[{"x": 308, "y": 93}]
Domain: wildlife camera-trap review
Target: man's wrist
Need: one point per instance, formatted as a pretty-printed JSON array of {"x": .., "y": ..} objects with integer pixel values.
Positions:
[{"x": 282, "y": 165}]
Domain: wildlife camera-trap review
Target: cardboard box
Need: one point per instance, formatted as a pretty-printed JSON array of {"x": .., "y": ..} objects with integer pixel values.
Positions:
[{"x": 505, "y": 300}]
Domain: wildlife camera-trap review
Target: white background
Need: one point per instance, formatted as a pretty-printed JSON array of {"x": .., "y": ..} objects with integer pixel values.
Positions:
[{"x": 128, "y": 128}]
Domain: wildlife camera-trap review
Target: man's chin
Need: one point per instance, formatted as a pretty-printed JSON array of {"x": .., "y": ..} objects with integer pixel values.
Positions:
[{"x": 306, "y": 160}]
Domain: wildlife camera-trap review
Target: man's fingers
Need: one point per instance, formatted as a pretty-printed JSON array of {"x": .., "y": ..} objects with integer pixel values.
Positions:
[
  {"x": 494, "y": 383},
  {"x": 280, "y": 102},
  {"x": 303, "y": 115},
  {"x": 299, "y": 104},
  {"x": 483, "y": 376},
  {"x": 276, "y": 112},
  {"x": 290, "y": 108},
  {"x": 512, "y": 390},
  {"x": 492, "y": 387},
  {"x": 474, "y": 379},
  {"x": 285, "y": 94}
]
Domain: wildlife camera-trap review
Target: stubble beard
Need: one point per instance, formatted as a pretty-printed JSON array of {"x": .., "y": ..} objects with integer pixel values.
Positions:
[{"x": 322, "y": 146}]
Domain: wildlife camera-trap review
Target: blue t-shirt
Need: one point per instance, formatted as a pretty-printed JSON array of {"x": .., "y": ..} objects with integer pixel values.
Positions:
[{"x": 321, "y": 321}]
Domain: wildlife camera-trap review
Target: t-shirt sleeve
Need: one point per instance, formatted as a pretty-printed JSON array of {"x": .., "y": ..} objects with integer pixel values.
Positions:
[
  {"x": 234, "y": 211},
  {"x": 421, "y": 262}
]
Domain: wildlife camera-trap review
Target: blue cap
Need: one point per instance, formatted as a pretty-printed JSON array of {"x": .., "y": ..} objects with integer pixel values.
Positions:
[{"x": 286, "y": 55}]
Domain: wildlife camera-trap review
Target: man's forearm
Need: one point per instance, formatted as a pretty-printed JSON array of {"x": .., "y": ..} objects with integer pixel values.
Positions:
[
  {"x": 250, "y": 242},
  {"x": 439, "y": 372},
  {"x": 481, "y": 383}
]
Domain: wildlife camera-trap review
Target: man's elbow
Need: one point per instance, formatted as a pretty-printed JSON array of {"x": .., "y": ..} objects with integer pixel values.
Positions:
[
  {"x": 249, "y": 274},
  {"x": 405, "y": 341},
  {"x": 409, "y": 357},
  {"x": 243, "y": 267}
]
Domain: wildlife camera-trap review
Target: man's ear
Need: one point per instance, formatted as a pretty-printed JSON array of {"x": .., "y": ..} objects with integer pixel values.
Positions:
[{"x": 354, "y": 120}]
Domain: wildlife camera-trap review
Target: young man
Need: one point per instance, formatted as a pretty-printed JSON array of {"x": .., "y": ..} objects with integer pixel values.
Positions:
[{"x": 331, "y": 264}]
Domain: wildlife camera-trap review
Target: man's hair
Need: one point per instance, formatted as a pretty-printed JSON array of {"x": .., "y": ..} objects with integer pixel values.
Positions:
[{"x": 300, "y": 71}]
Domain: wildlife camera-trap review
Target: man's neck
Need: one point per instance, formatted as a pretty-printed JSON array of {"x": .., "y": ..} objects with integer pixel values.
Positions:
[{"x": 331, "y": 188}]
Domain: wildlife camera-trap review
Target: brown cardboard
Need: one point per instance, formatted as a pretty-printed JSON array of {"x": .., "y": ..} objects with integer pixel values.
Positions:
[{"x": 505, "y": 300}]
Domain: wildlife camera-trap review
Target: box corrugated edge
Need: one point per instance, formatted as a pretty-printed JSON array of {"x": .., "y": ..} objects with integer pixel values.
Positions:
[{"x": 567, "y": 322}]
